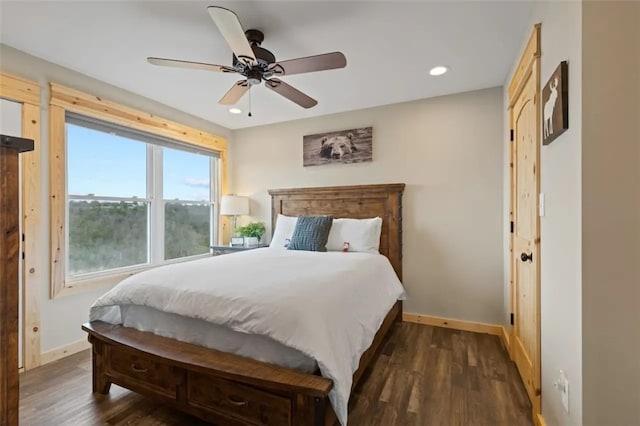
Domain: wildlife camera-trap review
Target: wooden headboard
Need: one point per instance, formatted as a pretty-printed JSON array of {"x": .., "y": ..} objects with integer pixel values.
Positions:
[{"x": 358, "y": 202}]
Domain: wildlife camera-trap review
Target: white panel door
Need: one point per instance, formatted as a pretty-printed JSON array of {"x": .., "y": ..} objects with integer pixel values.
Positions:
[{"x": 11, "y": 124}]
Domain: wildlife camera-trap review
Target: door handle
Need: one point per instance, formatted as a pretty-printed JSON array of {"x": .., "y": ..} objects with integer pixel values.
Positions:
[{"x": 524, "y": 257}]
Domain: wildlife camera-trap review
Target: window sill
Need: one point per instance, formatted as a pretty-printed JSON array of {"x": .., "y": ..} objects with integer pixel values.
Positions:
[
  {"x": 109, "y": 281},
  {"x": 106, "y": 282}
]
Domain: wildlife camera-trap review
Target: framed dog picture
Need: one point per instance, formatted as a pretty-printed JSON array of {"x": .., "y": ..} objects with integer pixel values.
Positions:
[
  {"x": 555, "y": 104},
  {"x": 345, "y": 146}
]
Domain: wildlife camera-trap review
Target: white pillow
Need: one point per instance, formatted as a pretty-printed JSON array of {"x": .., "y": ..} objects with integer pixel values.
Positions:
[
  {"x": 363, "y": 235},
  {"x": 283, "y": 232}
]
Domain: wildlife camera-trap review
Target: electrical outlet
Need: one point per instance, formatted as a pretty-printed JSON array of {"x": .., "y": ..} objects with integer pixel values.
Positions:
[{"x": 562, "y": 384}]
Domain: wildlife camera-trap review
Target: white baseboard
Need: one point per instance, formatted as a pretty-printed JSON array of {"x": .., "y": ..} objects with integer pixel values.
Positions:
[{"x": 64, "y": 351}]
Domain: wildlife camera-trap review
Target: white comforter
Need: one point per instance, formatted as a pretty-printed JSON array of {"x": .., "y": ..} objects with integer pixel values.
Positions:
[{"x": 327, "y": 305}]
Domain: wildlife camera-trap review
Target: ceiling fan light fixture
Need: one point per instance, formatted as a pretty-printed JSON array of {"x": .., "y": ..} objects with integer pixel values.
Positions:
[
  {"x": 439, "y": 70},
  {"x": 235, "y": 110}
]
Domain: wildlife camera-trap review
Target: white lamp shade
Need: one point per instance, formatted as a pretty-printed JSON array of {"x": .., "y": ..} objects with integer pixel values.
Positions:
[{"x": 234, "y": 205}]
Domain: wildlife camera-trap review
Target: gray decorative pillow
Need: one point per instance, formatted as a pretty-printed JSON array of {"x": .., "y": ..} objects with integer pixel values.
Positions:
[{"x": 311, "y": 233}]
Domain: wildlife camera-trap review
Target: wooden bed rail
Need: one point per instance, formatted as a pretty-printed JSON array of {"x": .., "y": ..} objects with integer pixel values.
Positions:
[
  {"x": 201, "y": 359},
  {"x": 218, "y": 387}
]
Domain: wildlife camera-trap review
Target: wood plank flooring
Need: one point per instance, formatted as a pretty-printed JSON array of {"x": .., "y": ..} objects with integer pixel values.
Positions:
[{"x": 423, "y": 376}]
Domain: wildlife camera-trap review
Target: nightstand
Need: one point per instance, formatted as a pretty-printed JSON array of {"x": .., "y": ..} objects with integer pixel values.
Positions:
[{"x": 218, "y": 250}]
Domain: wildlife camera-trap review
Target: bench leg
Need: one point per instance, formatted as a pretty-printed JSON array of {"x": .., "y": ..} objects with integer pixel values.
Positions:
[{"x": 101, "y": 384}]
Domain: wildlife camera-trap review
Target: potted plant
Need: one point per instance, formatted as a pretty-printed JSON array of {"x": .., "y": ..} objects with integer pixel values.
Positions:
[{"x": 250, "y": 231}]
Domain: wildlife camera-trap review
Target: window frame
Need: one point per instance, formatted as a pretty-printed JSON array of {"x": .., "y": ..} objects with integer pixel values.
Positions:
[
  {"x": 63, "y": 100},
  {"x": 154, "y": 200},
  {"x": 27, "y": 92}
]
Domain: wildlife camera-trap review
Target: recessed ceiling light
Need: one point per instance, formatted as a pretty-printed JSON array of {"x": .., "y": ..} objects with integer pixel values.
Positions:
[
  {"x": 439, "y": 70},
  {"x": 235, "y": 110}
]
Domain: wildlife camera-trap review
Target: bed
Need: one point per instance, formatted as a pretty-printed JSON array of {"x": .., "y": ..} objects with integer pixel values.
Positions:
[{"x": 230, "y": 389}]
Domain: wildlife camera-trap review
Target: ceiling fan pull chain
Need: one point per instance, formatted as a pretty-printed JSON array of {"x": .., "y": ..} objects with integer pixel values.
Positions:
[{"x": 249, "y": 102}]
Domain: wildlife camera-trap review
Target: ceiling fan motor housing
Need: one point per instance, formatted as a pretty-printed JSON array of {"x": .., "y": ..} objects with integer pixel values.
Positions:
[{"x": 263, "y": 56}]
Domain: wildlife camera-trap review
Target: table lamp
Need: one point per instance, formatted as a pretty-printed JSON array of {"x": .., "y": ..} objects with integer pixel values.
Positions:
[{"x": 234, "y": 205}]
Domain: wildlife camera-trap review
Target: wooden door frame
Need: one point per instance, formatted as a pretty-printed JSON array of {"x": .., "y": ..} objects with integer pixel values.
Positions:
[
  {"x": 528, "y": 64},
  {"x": 27, "y": 93}
]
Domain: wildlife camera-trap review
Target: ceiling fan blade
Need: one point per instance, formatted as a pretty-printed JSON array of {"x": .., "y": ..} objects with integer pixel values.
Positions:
[
  {"x": 188, "y": 64},
  {"x": 326, "y": 61},
  {"x": 235, "y": 93},
  {"x": 290, "y": 93},
  {"x": 229, "y": 25}
]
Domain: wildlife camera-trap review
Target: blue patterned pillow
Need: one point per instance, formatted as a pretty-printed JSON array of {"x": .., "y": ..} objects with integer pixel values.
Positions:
[{"x": 311, "y": 233}]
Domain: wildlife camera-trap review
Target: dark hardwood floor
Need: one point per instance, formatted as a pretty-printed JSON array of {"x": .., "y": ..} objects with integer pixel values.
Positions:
[{"x": 424, "y": 376}]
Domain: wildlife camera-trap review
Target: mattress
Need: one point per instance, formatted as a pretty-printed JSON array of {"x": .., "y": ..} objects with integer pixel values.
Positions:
[{"x": 213, "y": 336}]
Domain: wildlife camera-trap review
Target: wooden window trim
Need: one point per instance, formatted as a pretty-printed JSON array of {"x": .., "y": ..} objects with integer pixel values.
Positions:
[
  {"x": 65, "y": 99},
  {"x": 27, "y": 93}
]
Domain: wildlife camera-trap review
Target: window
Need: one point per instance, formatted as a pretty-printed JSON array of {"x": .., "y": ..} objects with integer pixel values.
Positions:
[
  {"x": 109, "y": 166},
  {"x": 134, "y": 199},
  {"x": 188, "y": 213}
]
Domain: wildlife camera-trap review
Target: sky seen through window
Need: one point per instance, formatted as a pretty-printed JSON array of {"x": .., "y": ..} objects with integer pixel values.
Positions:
[{"x": 105, "y": 164}]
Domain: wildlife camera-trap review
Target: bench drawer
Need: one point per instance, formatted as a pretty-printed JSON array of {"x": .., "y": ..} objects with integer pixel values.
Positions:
[
  {"x": 238, "y": 401},
  {"x": 139, "y": 371}
]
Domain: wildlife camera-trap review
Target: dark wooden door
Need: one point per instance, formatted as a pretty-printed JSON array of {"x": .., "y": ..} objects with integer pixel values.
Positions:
[{"x": 10, "y": 147}]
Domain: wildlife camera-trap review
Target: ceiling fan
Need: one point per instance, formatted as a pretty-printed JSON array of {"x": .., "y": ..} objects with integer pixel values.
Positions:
[{"x": 255, "y": 63}]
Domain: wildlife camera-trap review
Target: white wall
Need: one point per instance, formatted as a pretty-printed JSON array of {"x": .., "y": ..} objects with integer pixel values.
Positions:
[
  {"x": 60, "y": 319},
  {"x": 448, "y": 151},
  {"x": 611, "y": 213},
  {"x": 560, "y": 233}
]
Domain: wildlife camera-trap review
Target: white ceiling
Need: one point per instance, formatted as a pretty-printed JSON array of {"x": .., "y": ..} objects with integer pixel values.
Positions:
[{"x": 390, "y": 47}]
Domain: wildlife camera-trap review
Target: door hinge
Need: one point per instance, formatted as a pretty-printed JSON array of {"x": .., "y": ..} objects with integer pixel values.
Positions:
[
  {"x": 511, "y": 318},
  {"x": 511, "y": 135},
  {"x": 22, "y": 255},
  {"x": 511, "y": 227},
  {"x": 22, "y": 237}
]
